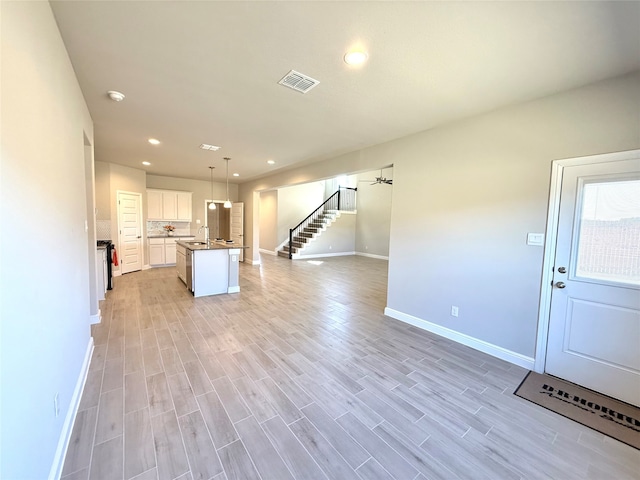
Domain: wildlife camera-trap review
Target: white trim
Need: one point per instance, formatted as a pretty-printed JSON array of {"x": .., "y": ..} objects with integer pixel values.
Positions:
[
  {"x": 67, "y": 428},
  {"x": 251, "y": 262},
  {"x": 116, "y": 273},
  {"x": 371, "y": 255},
  {"x": 551, "y": 236},
  {"x": 95, "y": 319},
  {"x": 321, "y": 255},
  {"x": 146, "y": 267},
  {"x": 235, "y": 289},
  {"x": 269, "y": 252},
  {"x": 481, "y": 345}
]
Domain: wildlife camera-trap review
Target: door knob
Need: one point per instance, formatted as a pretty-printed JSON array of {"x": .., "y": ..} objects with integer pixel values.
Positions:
[
  {"x": 562, "y": 270},
  {"x": 560, "y": 284}
]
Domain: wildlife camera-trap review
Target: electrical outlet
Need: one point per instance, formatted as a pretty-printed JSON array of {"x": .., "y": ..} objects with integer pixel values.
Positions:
[
  {"x": 56, "y": 404},
  {"x": 454, "y": 311}
]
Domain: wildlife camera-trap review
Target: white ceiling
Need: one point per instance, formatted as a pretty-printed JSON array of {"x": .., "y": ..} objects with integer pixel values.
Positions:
[{"x": 207, "y": 72}]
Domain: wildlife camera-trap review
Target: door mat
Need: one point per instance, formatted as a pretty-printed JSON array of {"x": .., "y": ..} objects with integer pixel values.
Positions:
[{"x": 604, "y": 414}]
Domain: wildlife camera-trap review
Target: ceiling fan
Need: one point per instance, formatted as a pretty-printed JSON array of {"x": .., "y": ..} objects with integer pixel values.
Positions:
[{"x": 380, "y": 180}]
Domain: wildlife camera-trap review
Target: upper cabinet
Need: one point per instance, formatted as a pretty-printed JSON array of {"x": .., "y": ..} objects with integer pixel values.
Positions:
[
  {"x": 183, "y": 205},
  {"x": 169, "y": 205}
]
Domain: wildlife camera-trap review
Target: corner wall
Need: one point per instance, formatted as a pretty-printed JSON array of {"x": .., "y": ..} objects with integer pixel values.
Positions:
[{"x": 44, "y": 285}]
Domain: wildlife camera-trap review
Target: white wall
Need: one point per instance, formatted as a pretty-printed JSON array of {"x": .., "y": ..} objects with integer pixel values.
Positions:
[
  {"x": 44, "y": 271},
  {"x": 295, "y": 204},
  {"x": 338, "y": 238},
  {"x": 466, "y": 195},
  {"x": 373, "y": 223},
  {"x": 269, "y": 220},
  {"x": 103, "y": 190},
  {"x": 483, "y": 185}
]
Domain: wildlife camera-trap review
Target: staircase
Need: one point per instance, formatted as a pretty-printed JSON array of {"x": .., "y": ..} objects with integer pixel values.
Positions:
[
  {"x": 313, "y": 229},
  {"x": 318, "y": 221}
]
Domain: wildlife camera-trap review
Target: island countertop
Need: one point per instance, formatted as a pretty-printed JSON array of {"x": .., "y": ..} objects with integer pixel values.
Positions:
[{"x": 213, "y": 245}]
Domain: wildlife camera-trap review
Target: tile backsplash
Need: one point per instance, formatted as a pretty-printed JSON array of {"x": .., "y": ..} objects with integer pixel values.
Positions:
[
  {"x": 157, "y": 228},
  {"x": 103, "y": 230}
]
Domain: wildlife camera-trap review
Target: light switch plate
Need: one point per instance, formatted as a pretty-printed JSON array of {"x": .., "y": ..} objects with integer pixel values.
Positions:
[{"x": 536, "y": 239}]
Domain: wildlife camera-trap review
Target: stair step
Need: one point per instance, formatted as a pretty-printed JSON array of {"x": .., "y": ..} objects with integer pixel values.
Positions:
[{"x": 310, "y": 230}]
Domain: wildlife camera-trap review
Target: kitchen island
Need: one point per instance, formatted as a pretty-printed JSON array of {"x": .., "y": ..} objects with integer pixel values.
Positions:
[{"x": 208, "y": 268}]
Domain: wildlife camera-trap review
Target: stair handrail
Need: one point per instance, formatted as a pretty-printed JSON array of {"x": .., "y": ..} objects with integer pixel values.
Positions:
[{"x": 334, "y": 198}]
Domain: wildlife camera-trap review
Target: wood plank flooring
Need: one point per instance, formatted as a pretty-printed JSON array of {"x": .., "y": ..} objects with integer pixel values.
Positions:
[{"x": 301, "y": 376}]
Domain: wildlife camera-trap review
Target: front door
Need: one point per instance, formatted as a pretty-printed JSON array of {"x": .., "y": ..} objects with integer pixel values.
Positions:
[
  {"x": 237, "y": 225},
  {"x": 130, "y": 231},
  {"x": 594, "y": 325}
]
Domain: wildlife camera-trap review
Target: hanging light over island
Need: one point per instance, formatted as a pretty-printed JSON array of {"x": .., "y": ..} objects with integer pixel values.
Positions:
[
  {"x": 227, "y": 203},
  {"x": 212, "y": 205}
]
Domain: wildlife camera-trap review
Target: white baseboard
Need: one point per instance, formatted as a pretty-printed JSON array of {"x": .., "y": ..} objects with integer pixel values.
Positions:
[
  {"x": 481, "y": 345},
  {"x": 268, "y": 252},
  {"x": 322, "y": 255},
  {"x": 117, "y": 273},
  {"x": 146, "y": 267},
  {"x": 251, "y": 262},
  {"x": 371, "y": 255},
  {"x": 233, "y": 289},
  {"x": 63, "y": 442},
  {"x": 95, "y": 319}
]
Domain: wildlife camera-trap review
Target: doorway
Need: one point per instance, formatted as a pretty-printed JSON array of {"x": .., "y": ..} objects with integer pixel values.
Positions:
[
  {"x": 218, "y": 221},
  {"x": 130, "y": 231},
  {"x": 226, "y": 223},
  {"x": 591, "y": 286}
]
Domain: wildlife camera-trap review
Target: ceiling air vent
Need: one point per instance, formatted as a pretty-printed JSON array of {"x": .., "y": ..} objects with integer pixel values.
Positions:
[{"x": 298, "y": 81}]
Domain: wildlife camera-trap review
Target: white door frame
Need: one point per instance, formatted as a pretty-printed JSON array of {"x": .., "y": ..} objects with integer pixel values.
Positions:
[
  {"x": 142, "y": 231},
  {"x": 551, "y": 236}
]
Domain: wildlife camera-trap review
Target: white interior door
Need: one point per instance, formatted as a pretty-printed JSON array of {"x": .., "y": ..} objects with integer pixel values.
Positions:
[
  {"x": 594, "y": 324},
  {"x": 237, "y": 225},
  {"x": 130, "y": 231}
]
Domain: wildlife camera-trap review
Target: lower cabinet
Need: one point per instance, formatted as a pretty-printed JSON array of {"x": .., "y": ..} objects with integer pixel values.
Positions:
[
  {"x": 162, "y": 251},
  {"x": 181, "y": 263},
  {"x": 101, "y": 266}
]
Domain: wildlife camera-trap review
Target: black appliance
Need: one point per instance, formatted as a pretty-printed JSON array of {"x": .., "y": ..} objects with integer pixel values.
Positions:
[{"x": 109, "y": 246}]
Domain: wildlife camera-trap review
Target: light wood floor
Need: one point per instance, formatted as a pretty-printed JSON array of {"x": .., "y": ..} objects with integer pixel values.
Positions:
[{"x": 300, "y": 376}]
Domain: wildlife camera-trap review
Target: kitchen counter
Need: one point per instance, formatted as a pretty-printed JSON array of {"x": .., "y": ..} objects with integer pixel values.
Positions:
[
  {"x": 160, "y": 235},
  {"x": 209, "y": 269},
  {"x": 213, "y": 245}
]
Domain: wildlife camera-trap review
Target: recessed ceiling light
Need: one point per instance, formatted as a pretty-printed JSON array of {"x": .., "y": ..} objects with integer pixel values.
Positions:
[
  {"x": 115, "y": 96},
  {"x": 355, "y": 58},
  {"x": 206, "y": 146},
  {"x": 146, "y": 163},
  {"x": 271, "y": 162},
  {"x": 154, "y": 141},
  {"x": 236, "y": 174}
]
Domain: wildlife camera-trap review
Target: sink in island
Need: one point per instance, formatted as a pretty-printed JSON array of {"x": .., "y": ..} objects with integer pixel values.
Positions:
[{"x": 208, "y": 268}]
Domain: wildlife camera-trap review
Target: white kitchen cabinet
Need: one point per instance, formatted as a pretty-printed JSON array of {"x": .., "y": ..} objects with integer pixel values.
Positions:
[
  {"x": 162, "y": 251},
  {"x": 181, "y": 263},
  {"x": 183, "y": 202},
  {"x": 101, "y": 266},
  {"x": 169, "y": 205},
  {"x": 169, "y": 251},
  {"x": 154, "y": 205},
  {"x": 156, "y": 251}
]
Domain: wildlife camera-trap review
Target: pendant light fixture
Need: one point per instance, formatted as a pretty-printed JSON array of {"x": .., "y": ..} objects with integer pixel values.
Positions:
[
  {"x": 212, "y": 205},
  {"x": 227, "y": 204}
]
